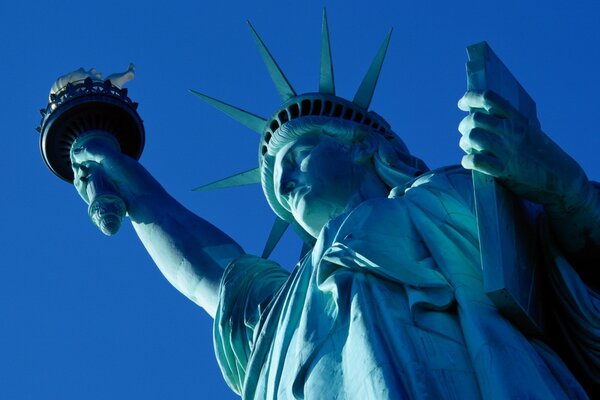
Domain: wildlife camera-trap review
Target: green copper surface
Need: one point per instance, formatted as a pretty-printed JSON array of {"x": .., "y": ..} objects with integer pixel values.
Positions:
[
  {"x": 326, "y": 81},
  {"x": 391, "y": 300},
  {"x": 284, "y": 88},
  {"x": 277, "y": 230},
  {"x": 249, "y": 177},
  {"x": 365, "y": 91},
  {"x": 245, "y": 118}
]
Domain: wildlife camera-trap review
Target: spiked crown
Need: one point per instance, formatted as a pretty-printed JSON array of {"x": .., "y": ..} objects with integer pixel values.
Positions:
[{"x": 323, "y": 106}]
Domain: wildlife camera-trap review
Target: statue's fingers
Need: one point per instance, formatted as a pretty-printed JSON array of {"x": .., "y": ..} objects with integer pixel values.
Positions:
[
  {"x": 491, "y": 102},
  {"x": 81, "y": 189},
  {"x": 465, "y": 144},
  {"x": 80, "y": 171},
  {"x": 499, "y": 106},
  {"x": 465, "y": 125},
  {"x": 80, "y": 181},
  {"x": 94, "y": 151},
  {"x": 75, "y": 166},
  {"x": 83, "y": 154},
  {"x": 507, "y": 129},
  {"x": 485, "y": 163},
  {"x": 480, "y": 100},
  {"x": 484, "y": 141},
  {"x": 471, "y": 99},
  {"x": 81, "y": 168},
  {"x": 480, "y": 120}
]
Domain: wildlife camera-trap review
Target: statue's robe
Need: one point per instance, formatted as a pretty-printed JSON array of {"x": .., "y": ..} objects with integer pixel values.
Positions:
[{"x": 390, "y": 304}]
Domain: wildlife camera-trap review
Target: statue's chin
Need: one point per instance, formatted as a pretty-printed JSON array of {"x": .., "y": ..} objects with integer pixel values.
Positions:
[{"x": 313, "y": 218}]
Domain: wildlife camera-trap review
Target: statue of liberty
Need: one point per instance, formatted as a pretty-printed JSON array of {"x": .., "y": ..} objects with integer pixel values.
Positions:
[{"x": 388, "y": 300}]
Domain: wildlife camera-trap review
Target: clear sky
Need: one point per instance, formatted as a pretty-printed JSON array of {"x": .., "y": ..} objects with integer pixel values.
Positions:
[{"x": 83, "y": 316}]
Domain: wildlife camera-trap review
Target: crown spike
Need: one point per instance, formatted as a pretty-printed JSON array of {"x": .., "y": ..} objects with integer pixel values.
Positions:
[
  {"x": 252, "y": 121},
  {"x": 277, "y": 231},
  {"x": 286, "y": 91},
  {"x": 243, "y": 178},
  {"x": 326, "y": 81},
  {"x": 364, "y": 94}
]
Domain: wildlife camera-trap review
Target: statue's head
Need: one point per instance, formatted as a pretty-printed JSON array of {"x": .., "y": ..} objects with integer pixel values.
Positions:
[
  {"x": 314, "y": 168},
  {"x": 319, "y": 154}
]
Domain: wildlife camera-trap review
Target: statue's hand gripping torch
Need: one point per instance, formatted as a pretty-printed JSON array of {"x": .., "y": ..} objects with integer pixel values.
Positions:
[
  {"x": 85, "y": 111},
  {"x": 106, "y": 208}
]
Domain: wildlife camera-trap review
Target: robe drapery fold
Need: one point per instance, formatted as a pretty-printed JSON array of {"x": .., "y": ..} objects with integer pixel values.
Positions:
[{"x": 389, "y": 304}]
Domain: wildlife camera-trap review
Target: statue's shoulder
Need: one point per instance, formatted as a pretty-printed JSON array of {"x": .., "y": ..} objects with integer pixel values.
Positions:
[
  {"x": 452, "y": 180},
  {"x": 437, "y": 190}
]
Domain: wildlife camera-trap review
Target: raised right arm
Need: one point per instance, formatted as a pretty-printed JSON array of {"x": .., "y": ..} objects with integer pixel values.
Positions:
[{"x": 189, "y": 251}]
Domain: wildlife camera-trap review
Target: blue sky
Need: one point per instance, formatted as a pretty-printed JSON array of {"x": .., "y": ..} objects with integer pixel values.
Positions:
[{"x": 87, "y": 316}]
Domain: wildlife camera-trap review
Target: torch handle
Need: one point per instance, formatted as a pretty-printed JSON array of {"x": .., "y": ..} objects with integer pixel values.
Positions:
[{"x": 106, "y": 208}]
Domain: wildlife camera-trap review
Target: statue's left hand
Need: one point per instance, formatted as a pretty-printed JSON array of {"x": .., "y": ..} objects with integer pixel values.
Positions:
[{"x": 501, "y": 142}]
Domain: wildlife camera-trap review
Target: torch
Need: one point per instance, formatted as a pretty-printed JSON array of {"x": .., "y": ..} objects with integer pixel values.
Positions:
[{"x": 91, "y": 110}]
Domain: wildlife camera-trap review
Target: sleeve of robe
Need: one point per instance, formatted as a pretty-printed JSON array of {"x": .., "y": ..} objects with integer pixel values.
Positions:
[
  {"x": 250, "y": 283},
  {"x": 574, "y": 300},
  {"x": 247, "y": 287},
  {"x": 576, "y": 307}
]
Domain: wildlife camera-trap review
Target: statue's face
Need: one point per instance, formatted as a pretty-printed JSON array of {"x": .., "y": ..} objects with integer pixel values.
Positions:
[{"x": 317, "y": 178}]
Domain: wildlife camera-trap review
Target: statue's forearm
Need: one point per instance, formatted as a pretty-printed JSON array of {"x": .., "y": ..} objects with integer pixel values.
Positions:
[{"x": 190, "y": 252}]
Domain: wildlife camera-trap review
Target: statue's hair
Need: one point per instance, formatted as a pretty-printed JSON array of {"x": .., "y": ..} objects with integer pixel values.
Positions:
[{"x": 392, "y": 161}]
